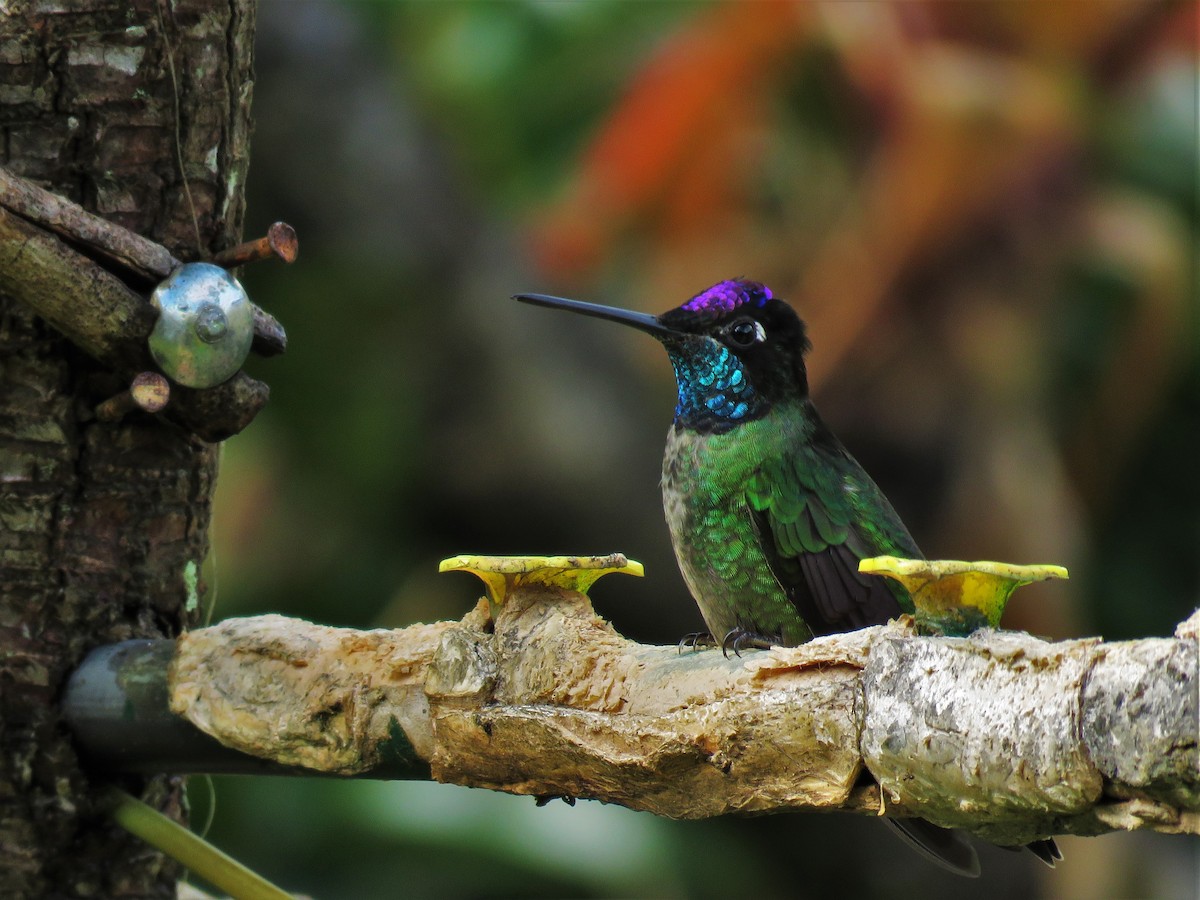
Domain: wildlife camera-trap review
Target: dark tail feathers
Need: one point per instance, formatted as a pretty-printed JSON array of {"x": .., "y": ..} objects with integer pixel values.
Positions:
[
  {"x": 950, "y": 849},
  {"x": 1045, "y": 850},
  {"x": 941, "y": 846}
]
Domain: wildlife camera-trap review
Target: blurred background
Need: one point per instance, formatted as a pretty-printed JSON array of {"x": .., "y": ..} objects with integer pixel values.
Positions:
[{"x": 985, "y": 211}]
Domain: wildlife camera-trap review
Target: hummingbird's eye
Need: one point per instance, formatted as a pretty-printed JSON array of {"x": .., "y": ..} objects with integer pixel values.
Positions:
[{"x": 745, "y": 333}]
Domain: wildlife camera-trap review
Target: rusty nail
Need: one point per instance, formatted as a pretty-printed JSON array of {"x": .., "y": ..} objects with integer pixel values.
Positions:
[
  {"x": 149, "y": 392},
  {"x": 269, "y": 337},
  {"x": 280, "y": 242}
]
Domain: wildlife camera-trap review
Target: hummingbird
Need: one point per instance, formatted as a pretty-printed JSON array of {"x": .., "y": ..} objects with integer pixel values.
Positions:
[{"x": 769, "y": 514}]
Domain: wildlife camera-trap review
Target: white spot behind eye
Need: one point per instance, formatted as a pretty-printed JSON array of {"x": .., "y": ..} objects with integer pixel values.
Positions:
[{"x": 746, "y": 333}]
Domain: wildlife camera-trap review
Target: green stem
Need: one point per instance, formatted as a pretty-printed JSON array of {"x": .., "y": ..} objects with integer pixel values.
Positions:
[{"x": 196, "y": 854}]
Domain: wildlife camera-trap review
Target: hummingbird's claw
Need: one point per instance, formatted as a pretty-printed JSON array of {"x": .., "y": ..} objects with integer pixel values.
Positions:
[
  {"x": 741, "y": 638},
  {"x": 695, "y": 640},
  {"x": 731, "y": 641}
]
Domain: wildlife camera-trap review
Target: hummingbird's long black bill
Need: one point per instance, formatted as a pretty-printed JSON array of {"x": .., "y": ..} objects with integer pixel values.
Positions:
[{"x": 641, "y": 321}]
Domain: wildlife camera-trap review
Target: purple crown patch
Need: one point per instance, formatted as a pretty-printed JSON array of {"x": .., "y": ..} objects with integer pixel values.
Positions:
[{"x": 726, "y": 296}]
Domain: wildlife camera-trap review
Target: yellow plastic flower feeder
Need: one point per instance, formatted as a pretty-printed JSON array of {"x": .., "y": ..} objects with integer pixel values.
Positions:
[
  {"x": 954, "y": 597},
  {"x": 502, "y": 574}
]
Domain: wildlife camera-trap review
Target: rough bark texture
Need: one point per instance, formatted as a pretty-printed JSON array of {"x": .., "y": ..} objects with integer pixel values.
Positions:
[
  {"x": 1005, "y": 735},
  {"x": 102, "y": 525}
]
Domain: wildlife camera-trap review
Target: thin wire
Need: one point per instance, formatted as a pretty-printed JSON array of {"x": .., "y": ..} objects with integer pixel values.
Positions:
[
  {"x": 212, "y": 805},
  {"x": 211, "y": 560},
  {"x": 187, "y": 189}
]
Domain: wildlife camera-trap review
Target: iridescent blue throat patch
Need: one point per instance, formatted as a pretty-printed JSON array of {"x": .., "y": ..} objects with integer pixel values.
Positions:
[{"x": 713, "y": 387}]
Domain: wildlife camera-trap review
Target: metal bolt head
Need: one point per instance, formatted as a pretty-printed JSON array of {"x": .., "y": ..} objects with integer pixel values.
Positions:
[
  {"x": 211, "y": 323},
  {"x": 205, "y": 325}
]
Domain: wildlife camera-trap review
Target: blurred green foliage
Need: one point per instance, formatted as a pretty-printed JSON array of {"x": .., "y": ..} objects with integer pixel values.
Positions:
[{"x": 986, "y": 212}]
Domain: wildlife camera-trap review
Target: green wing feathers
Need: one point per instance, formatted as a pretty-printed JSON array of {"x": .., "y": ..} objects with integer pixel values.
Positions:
[{"x": 817, "y": 513}]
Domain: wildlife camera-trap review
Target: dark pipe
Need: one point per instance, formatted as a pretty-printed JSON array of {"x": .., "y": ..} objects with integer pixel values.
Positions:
[{"x": 116, "y": 706}]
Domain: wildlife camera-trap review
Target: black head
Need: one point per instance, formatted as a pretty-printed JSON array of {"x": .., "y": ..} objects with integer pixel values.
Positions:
[{"x": 736, "y": 350}]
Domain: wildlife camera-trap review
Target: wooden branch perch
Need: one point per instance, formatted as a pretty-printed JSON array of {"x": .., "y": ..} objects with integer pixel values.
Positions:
[{"x": 1005, "y": 735}]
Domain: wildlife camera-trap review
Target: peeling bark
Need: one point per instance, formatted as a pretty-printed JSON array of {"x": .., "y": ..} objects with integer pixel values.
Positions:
[
  {"x": 1005, "y": 735},
  {"x": 126, "y": 109}
]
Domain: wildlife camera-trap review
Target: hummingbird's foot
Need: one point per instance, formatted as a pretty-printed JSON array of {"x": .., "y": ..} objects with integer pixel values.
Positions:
[
  {"x": 695, "y": 641},
  {"x": 740, "y": 639}
]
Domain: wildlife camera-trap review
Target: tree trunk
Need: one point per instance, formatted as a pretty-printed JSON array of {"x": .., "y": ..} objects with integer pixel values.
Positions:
[{"x": 139, "y": 112}]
